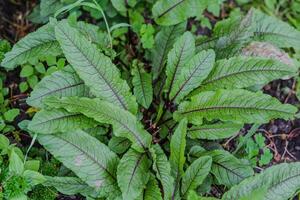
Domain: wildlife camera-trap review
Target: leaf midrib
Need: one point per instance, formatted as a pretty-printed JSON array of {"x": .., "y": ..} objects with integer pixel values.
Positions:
[
  {"x": 224, "y": 76},
  {"x": 231, "y": 107},
  {"x": 170, "y": 8},
  {"x": 69, "y": 115},
  {"x": 134, "y": 170},
  {"x": 56, "y": 90}
]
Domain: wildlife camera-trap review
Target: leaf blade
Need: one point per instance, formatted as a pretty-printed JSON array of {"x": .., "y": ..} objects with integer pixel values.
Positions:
[
  {"x": 281, "y": 182},
  {"x": 124, "y": 123},
  {"x": 239, "y": 106},
  {"x": 133, "y": 174},
  {"x": 59, "y": 120},
  {"x": 94, "y": 68},
  {"x": 33, "y": 46},
  {"x": 76, "y": 150},
  {"x": 192, "y": 75}
]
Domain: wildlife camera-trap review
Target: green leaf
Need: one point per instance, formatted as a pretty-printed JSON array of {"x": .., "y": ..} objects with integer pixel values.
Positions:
[
  {"x": 70, "y": 186},
  {"x": 33, "y": 177},
  {"x": 61, "y": 84},
  {"x": 121, "y": 6},
  {"x": 257, "y": 194},
  {"x": 146, "y": 33},
  {"x": 177, "y": 158},
  {"x": 23, "y": 86},
  {"x": 162, "y": 167},
  {"x": 214, "y": 131},
  {"x": 59, "y": 120},
  {"x": 229, "y": 36},
  {"x": 88, "y": 158},
  {"x": 4, "y": 142},
  {"x": 182, "y": 52},
  {"x": 93, "y": 33},
  {"x": 152, "y": 191},
  {"x": 227, "y": 169},
  {"x": 192, "y": 74},
  {"x": 164, "y": 41},
  {"x": 195, "y": 174},
  {"x": 234, "y": 105},
  {"x": 32, "y": 81},
  {"x": 124, "y": 123},
  {"x": 94, "y": 68},
  {"x": 26, "y": 71},
  {"x": 49, "y": 7},
  {"x": 275, "y": 31},
  {"x": 142, "y": 86},
  {"x": 171, "y": 12},
  {"x": 133, "y": 173},
  {"x": 243, "y": 72},
  {"x": 11, "y": 114},
  {"x": 16, "y": 164},
  {"x": 281, "y": 182},
  {"x": 119, "y": 144},
  {"x": 33, "y": 46},
  {"x": 32, "y": 165}
]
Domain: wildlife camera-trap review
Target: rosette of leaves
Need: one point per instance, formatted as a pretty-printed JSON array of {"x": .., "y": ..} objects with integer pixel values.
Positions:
[{"x": 151, "y": 144}]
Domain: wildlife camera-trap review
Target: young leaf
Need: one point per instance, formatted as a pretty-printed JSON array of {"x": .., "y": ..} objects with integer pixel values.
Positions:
[
  {"x": 59, "y": 120},
  {"x": 33, "y": 177},
  {"x": 152, "y": 191},
  {"x": 142, "y": 86},
  {"x": 281, "y": 181},
  {"x": 182, "y": 52},
  {"x": 227, "y": 169},
  {"x": 170, "y": 12},
  {"x": 16, "y": 164},
  {"x": 195, "y": 174},
  {"x": 214, "y": 131},
  {"x": 133, "y": 173},
  {"x": 243, "y": 72},
  {"x": 237, "y": 105},
  {"x": 229, "y": 36},
  {"x": 164, "y": 41},
  {"x": 62, "y": 83},
  {"x": 177, "y": 158},
  {"x": 33, "y": 46},
  {"x": 162, "y": 167},
  {"x": 94, "y": 68},
  {"x": 124, "y": 123},
  {"x": 70, "y": 186},
  {"x": 192, "y": 74},
  {"x": 121, "y": 5},
  {"x": 275, "y": 31},
  {"x": 88, "y": 158}
]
